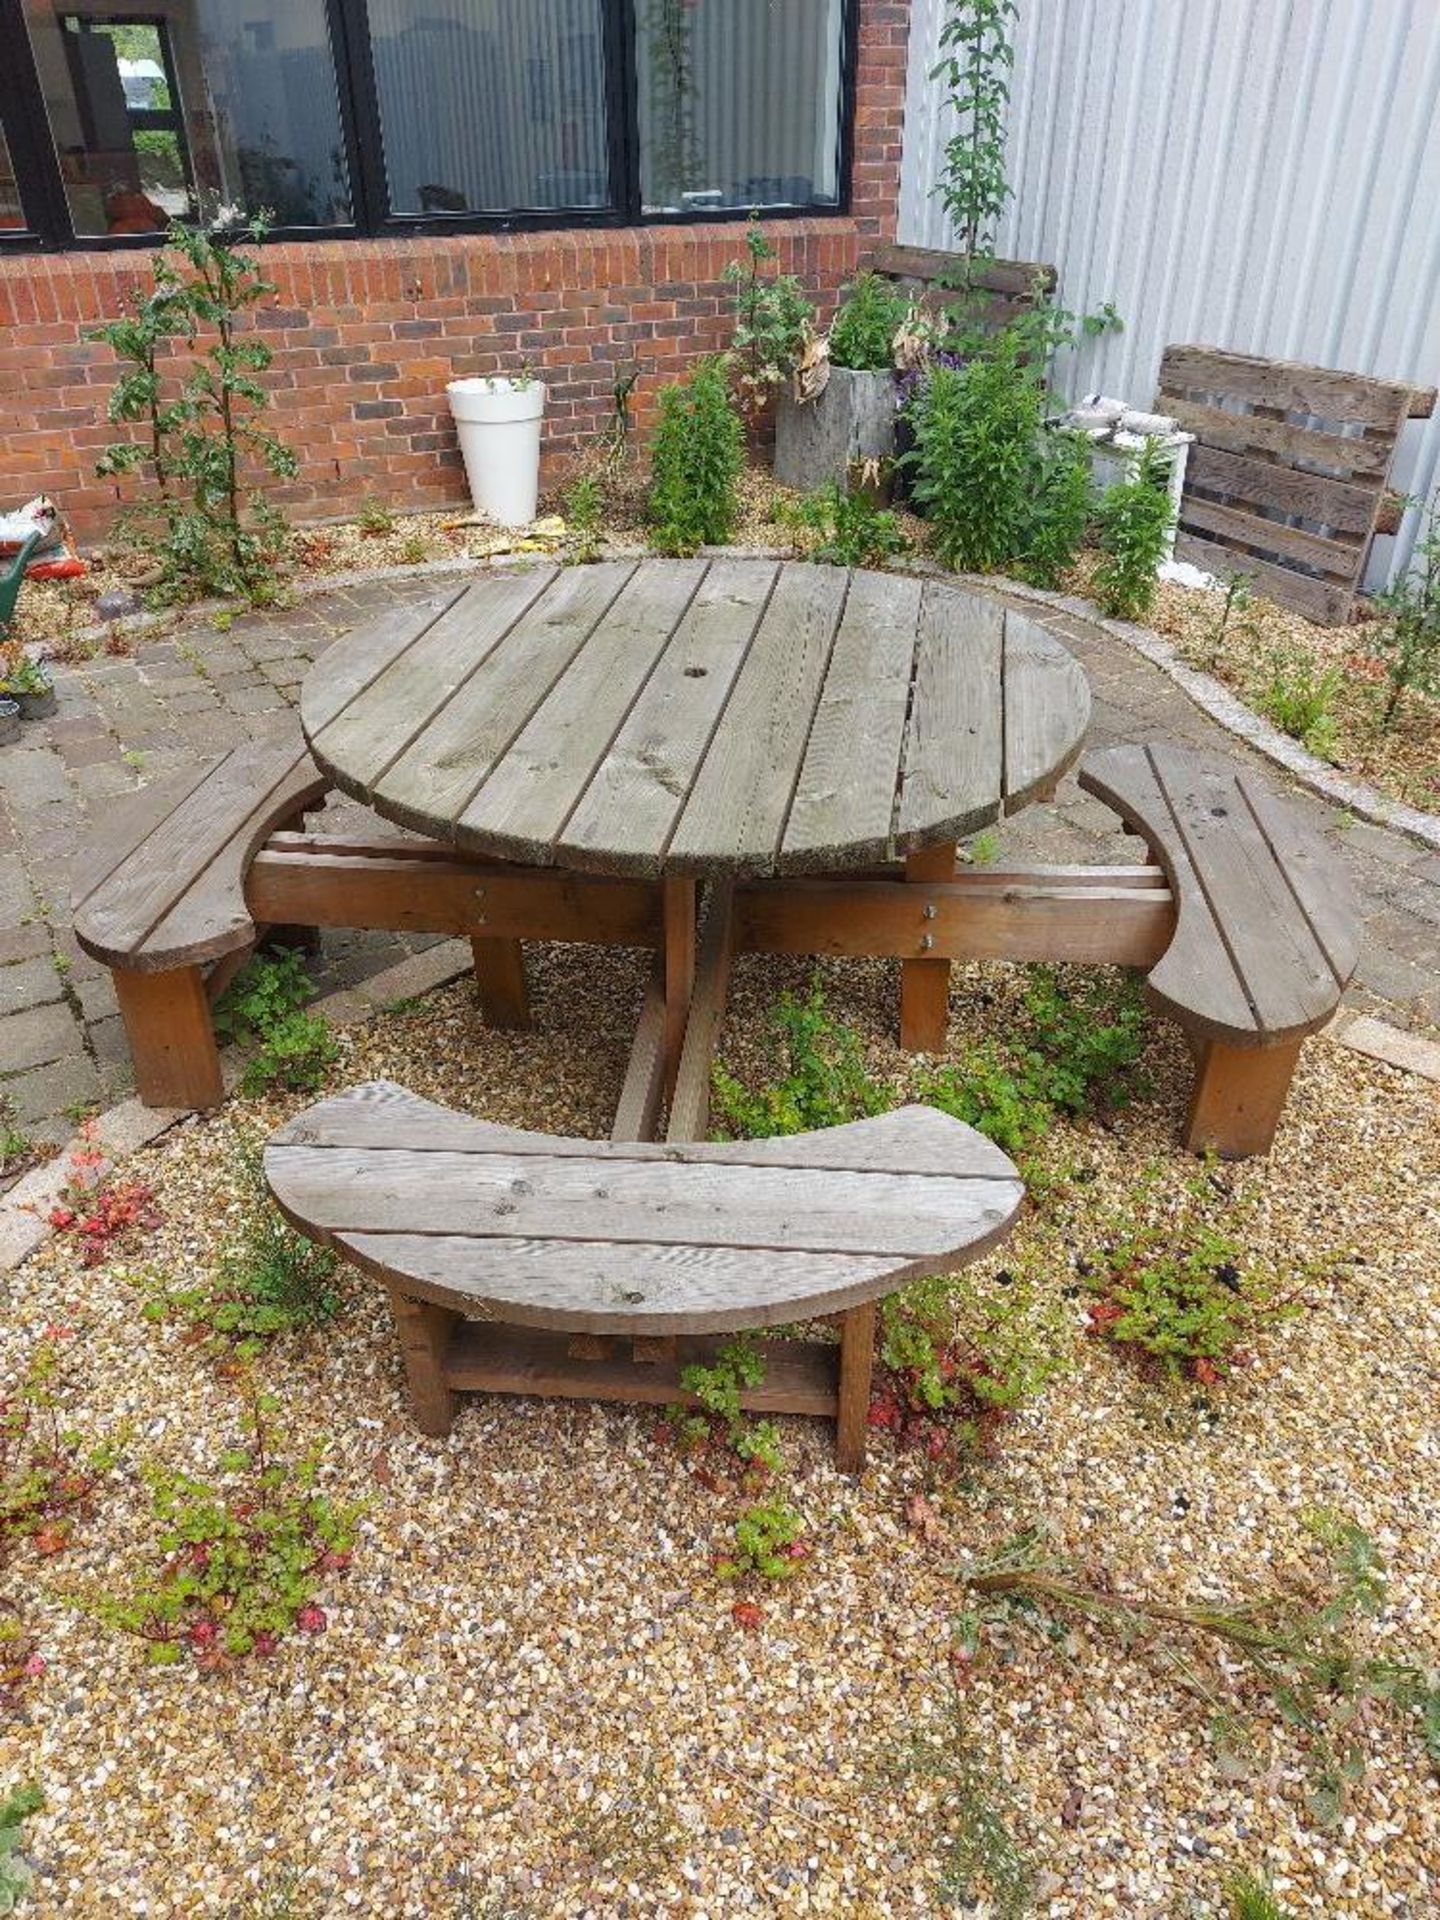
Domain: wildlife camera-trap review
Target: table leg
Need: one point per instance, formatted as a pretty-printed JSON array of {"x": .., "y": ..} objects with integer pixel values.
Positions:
[
  {"x": 925, "y": 984},
  {"x": 680, "y": 896},
  {"x": 500, "y": 982},
  {"x": 857, "y": 1361}
]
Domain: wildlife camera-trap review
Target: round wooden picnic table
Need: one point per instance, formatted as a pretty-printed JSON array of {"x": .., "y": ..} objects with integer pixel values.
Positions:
[
  {"x": 680, "y": 721},
  {"x": 736, "y": 717}
]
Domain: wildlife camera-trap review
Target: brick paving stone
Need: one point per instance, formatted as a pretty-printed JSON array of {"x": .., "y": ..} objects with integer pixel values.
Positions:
[
  {"x": 42, "y": 1094},
  {"x": 38, "y": 1035},
  {"x": 29, "y": 983},
  {"x": 23, "y": 943}
]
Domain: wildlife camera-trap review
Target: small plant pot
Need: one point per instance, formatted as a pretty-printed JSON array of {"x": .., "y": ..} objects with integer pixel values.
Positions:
[
  {"x": 849, "y": 428},
  {"x": 498, "y": 422},
  {"x": 41, "y": 703},
  {"x": 9, "y": 722}
]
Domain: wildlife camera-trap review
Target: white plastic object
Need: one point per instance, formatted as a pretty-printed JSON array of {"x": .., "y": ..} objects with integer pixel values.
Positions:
[{"x": 498, "y": 421}]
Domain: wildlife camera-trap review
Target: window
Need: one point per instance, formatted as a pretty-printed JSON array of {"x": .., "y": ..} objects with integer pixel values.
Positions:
[
  {"x": 739, "y": 103},
  {"x": 378, "y": 116}
]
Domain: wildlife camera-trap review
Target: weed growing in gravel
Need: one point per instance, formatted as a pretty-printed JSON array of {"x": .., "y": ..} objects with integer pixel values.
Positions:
[
  {"x": 16, "y": 1150},
  {"x": 841, "y": 529},
  {"x": 1296, "y": 1642},
  {"x": 769, "y": 1544},
  {"x": 100, "y": 1212},
  {"x": 696, "y": 461},
  {"x": 269, "y": 1279},
  {"x": 718, "y": 1388},
  {"x": 1252, "y": 1899},
  {"x": 262, "y": 1009},
  {"x": 1135, "y": 520},
  {"x": 823, "y": 1080},
  {"x": 375, "y": 520},
  {"x": 970, "y": 1817},
  {"x": 242, "y": 1556},
  {"x": 585, "y": 512},
  {"x": 1175, "y": 1284},
  {"x": 17, "y": 1876},
  {"x": 1299, "y": 696},
  {"x": 1408, "y": 641},
  {"x": 47, "y": 1478}
]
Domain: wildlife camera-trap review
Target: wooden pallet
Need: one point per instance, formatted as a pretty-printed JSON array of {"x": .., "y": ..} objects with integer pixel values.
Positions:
[
  {"x": 1287, "y": 478},
  {"x": 1004, "y": 289}
]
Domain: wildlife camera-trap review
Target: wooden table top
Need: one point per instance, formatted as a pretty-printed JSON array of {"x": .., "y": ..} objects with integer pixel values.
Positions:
[{"x": 697, "y": 716}]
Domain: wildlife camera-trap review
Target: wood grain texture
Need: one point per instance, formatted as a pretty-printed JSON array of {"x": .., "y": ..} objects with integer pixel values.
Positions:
[
  {"x": 1290, "y": 386},
  {"x": 699, "y": 717},
  {"x": 608, "y": 1237},
  {"x": 1259, "y": 955},
  {"x": 1324, "y": 601},
  {"x": 642, "y": 1093},
  {"x": 1314, "y": 496},
  {"x": 689, "y": 1115},
  {"x": 952, "y": 771},
  {"x": 175, "y": 896},
  {"x": 1047, "y": 709}
]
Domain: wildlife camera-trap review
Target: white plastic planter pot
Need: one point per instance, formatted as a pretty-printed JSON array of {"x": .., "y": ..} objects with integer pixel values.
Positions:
[{"x": 499, "y": 426}]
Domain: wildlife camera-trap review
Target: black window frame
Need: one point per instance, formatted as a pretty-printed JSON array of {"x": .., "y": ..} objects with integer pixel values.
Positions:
[{"x": 50, "y": 228}]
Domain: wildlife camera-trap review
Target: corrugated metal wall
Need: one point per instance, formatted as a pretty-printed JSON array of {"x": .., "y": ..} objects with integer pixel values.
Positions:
[{"x": 1261, "y": 175}]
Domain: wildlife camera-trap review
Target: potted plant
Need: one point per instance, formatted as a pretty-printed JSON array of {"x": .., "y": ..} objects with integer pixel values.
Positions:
[
  {"x": 9, "y": 721},
  {"x": 498, "y": 420},
  {"x": 27, "y": 682},
  {"x": 839, "y": 414}
]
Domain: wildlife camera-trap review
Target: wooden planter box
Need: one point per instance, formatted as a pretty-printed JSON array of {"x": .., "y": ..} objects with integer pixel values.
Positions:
[{"x": 852, "y": 422}]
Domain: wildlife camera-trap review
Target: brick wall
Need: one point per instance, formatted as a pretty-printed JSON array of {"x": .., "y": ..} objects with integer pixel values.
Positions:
[{"x": 365, "y": 333}]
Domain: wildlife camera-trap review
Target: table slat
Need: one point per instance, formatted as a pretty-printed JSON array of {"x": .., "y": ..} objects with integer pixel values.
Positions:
[{"x": 951, "y": 773}]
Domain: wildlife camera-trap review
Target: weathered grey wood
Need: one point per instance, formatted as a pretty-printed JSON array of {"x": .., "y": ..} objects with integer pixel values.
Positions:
[
  {"x": 690, "y": 1102},
  {"x": 1260, "y": 954},
  {"x": 1313, "y": 496},
  {"x": 177, "y": 897},
  {"x": 851, "y": 420},
  {"x": 844, "y": 804},
  {"x": 595, "y": 1237},
  {"x": 521, "y": 808},
  {"x": 398, "y": 701},
  {"x": 131, "y": 818},
  {"x": 1236, "y": 526},
  {"x": 1047, "y": 709},
  {"x": 349, "y": 664},
  {"x": 436, "y": 776},
  {"x": 625, "y": 817},
  {"x": 642, "y": 1094},
  {"x": 906, "y": 1140},
  {"x": 952, "y": 770},
  {"x": 1289, "y": 385},
  {"x": 1255, "y": 434},
  {"x": 735, "y": 813},
  {"x": 693, "y": 717},
  {"x": 1326, "y": 602},
  {"x": 932, "y": 264}
]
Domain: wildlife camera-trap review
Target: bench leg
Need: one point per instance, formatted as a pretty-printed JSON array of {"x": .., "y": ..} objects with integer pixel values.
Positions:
[
  {"x": 172, "y": 1040},
  {"x": 679, "y": 912},
  {"x": 424, "y": 1332},
  {"x": 1239, "y": 1096},
  {"x": 925, "y": 984},
  {"x": 500, "y": 979},
  {"x": 857, "y": 1362}
]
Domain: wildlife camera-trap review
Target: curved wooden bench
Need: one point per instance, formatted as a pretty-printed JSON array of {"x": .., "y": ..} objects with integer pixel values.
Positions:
[
  {"x": 479, "y": 1231},
  {"x": 1267, "y": 930},
  {"x": 164, "y": 899}
]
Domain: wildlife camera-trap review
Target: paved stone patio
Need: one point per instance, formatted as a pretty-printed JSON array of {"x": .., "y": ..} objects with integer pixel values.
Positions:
[{"x": 125, "y": 721}]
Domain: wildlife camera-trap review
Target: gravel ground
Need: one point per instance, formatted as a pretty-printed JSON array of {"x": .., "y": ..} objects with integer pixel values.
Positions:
[{"x": 532, "y": 1699}]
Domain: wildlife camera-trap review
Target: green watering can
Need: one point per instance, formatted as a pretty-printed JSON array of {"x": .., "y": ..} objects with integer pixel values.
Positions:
[{"x": 11, "y": 582}]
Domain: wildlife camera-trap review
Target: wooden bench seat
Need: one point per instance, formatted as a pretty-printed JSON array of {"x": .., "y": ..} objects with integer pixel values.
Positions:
[
  {"x": 162, "y": 903},
  {"x": 1267, "y": 929},
  {"x": 480, "y": 1231}
]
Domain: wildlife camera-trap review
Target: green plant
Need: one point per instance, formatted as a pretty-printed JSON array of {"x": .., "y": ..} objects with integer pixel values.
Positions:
[
  {"x": 47, "y": 1477},
  {"x": 1407, "y": 640},
  {"x": 1234, "y": 617},
  {"x": 847, "y": 530},
  {"x": 984, "y": 849},
  {"x": 977, "y": 430},
  {"x": 414, "y": 550},
  {"x": 1135, "y": 519},
  {"x": 241, "y": 1557},
  {"x": 17, "y": 1877},
  {"x": 696, "y": 463},
  {"x": 203, "y": 438},
  {"x": 585, "y": 511},
  {"x": 1252, "y": 1899},
  {"x": 261, "y": 1010},
  {"x": 1058, "y": 509},
  {"x": 374, "y": 519},
  {"x": 823, "y": 1077},
  {"x": 1174, "y": 1283},
  {"x": 268, "y": 1279},
  {"x": 768, "y": 1543},
  {"x": 976, "y": 58},
  {"x": 15, "y": 1144},
  {"x": 719, "y": 1388},
  {"x": 773, "y": 319},
  {"x": 1299, "y": 696},
  {"x": 1295, "y": 1641},
  {"x": 862, "y": 334}
]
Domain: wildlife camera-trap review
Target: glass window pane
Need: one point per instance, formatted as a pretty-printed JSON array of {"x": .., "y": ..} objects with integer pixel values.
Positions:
[
  {"x": 739, "y": 103},
  {"x": 12, "y": 214},
  {"x": 491, "y": 106},
  {"x": 212, "y": 102}
]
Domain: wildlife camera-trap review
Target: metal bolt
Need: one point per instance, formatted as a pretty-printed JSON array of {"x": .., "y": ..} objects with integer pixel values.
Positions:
[
  {"x": 929, "y": 911},
  {"x": 927, "y": 940}
]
